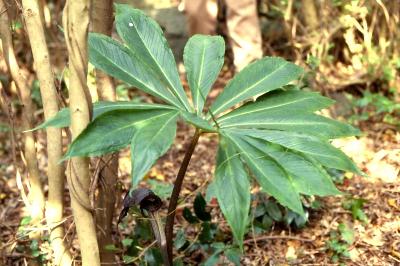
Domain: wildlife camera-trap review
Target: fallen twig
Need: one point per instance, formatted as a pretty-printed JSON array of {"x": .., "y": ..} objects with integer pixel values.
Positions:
[{"x": 262, "y": 238}]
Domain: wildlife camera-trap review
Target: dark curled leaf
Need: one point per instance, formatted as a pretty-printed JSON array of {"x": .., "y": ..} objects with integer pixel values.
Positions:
[
  {"x": 199, "y": 207},
  {"x": 142, "y": 197},
  {"x": 187, "y": 214}
]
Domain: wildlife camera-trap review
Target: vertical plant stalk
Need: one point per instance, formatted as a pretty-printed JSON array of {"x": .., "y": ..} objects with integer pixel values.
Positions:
[
  {"x": 102, "y": 22},
  {"x": 36, "y": 196},
  {"x": 169, "y": 226},
  {"x": 55, "y": 171},
  {"x": 159, "y": 234},
  {"x": 310, "y": 14},
  {"x": 76, "y": 18}
]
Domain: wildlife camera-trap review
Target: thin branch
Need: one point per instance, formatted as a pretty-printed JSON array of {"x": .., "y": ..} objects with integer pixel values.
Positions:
[{"x": 261, "y": 238}]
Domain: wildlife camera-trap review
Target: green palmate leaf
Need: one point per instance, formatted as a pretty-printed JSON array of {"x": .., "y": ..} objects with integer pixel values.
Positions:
[
  {"x": 152, "y": 139},
  {"x": 62, "y": 118},
  {"x": 287, "y": 102},
  {"x": 203, "y": 57},
  {"x": 118, "y": 61},
  {"x": 320, "y": 150},
  {"x": 232, "y": 189},
  {"x": 303, "y": 123},
  {"x": 112, "y": 131},
  {"x": 198, "y": 121},
  {"x": 260, "y": 77},
  {"x": 307, "y": 178},
  {"x": 268, "y": 173},
  {"x": 145, "y": 39}
]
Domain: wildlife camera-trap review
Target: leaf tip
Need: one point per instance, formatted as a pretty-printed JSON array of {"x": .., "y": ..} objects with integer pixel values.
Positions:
[{"x": 120, "y": 8}]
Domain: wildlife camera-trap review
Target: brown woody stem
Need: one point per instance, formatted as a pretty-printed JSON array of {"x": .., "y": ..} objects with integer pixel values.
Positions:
[{"x": 169, "y": 226}]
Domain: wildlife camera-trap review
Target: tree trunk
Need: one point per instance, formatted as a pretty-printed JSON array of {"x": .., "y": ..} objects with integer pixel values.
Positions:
[
  {"x": 36, "y": 196},
  {"x": 76, "y": 17},
  {"x": 55, "y": 173},
  {"x": 102, "y": 22}
]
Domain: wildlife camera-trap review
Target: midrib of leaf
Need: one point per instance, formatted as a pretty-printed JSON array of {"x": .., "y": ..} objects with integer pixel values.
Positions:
[
  {"x": 171, "y": 93},
  {"x": 257, "y": 166},
  {"x": 272, "y": 158},
  {"x": 151, "y": 106},
  {"x": 249, "y": 88},
  {"x": 200, "y": 77},
  {"x": 161, "y": 129},
  {"x": 229, "y": 167},
  {"x": 146, "y": 121},
  {"x": 137, "y": 122},
  {"x": 305, "y": 152},
  {"x": 160, "y": 69},
  {"x": 271, "y": 123},
  {"x": 249, "y": 156},
  {"x": 128, "y": 126},
  {"x": 220, "y": 120},
  {"x": 229, "y": 164},
  {"x": 139, "y": 80},
  {"x": 226, "y": 161}
]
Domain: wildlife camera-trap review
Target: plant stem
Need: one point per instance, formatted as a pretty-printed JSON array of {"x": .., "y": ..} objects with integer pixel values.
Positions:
[
  {"x": 36, "y": 195},
  {"x": 169, "y": 226},
  {"x": 55, "y": 170},
  {"x": 159, "y": 234},
  {"x": 76, "y": 18},
  {"x": 102, "y": 22}
]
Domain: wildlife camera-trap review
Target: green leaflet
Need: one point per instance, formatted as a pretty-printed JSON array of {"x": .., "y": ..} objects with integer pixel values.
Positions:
[
  {"x": 287, "y": 102},
  {"x": 151, "y": 140},
  {"x": 118, "y": 61},
  {"x": 311, "y": 124},
  {"x": 198, "y": 121},
  {"x": 232, "y": 189},
  {"x": 145, "y": 39},
  {"x": 203, "y": 57},
  {"x": 62, "y": 118},
  {"x": 322, "y": 151},
  {"x": 272, "y": 178},
  {"x": 262, "y": 76},
  {"x": 112, "y": 131},
  {"x": 307, "y": 178}
]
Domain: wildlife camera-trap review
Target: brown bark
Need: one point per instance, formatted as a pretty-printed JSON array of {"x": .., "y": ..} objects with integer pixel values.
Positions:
[
  {"x": 36, "y": 196},
  {"x": 55, "y": 171},
  {"x": 102, "y": 22},
  {"x": 76, "y": 18}
]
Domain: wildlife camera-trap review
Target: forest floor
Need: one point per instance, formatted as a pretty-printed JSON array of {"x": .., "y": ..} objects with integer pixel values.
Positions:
[{"x": 372, "y": 220}]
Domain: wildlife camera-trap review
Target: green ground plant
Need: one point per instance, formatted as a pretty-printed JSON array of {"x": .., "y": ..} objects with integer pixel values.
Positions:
[
  {"x": 275, "y": 141},
  {"x": 376, "y": 106},
  {"x": 355, "y": 205},
  {"x": 340, "y": 242}
]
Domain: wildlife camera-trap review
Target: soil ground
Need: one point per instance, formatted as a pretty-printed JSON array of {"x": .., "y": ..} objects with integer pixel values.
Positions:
[{"x": 377, "y": 241}]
